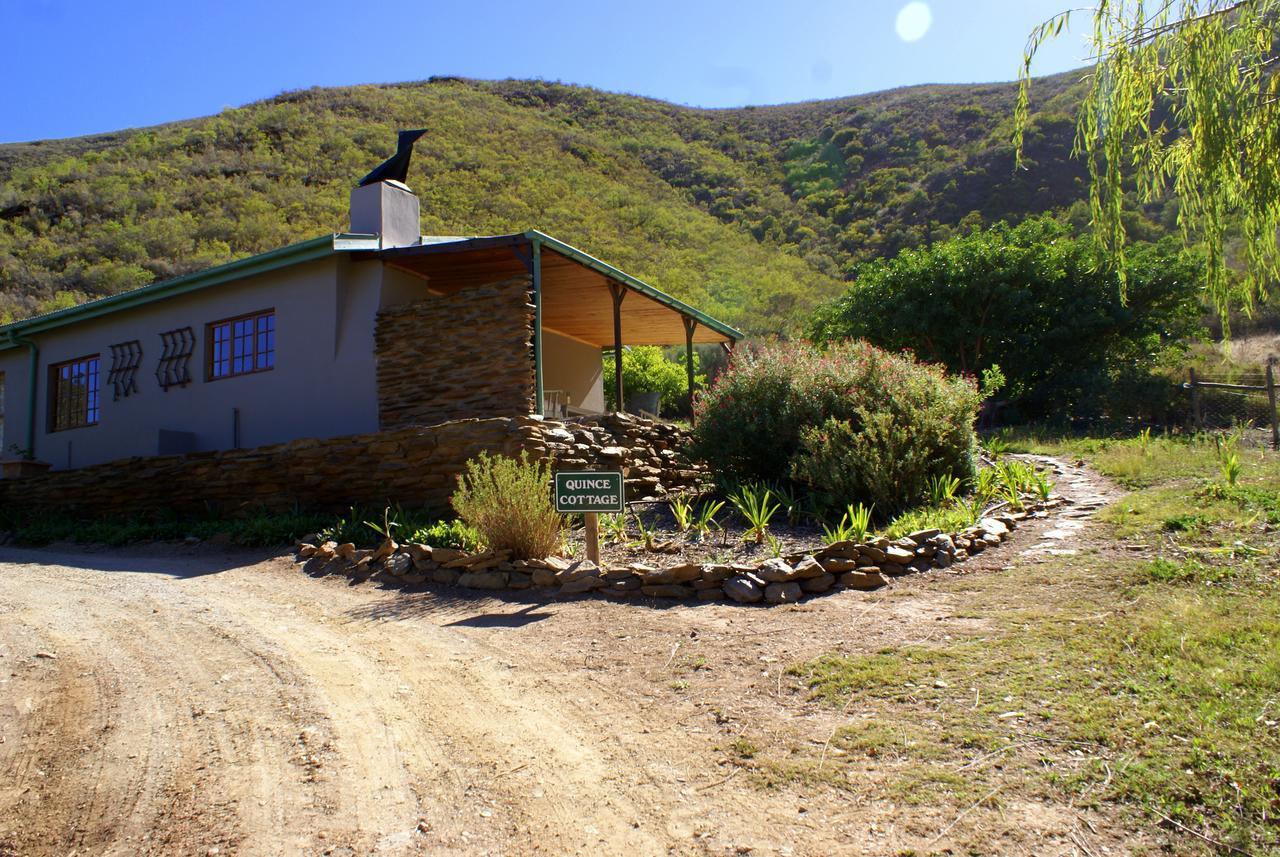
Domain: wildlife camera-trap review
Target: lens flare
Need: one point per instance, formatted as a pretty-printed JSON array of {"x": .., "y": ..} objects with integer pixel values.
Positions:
[{"x": 914, "y": 20}]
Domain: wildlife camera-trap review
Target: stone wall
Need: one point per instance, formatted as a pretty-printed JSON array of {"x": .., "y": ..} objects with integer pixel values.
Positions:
[
  {"x": 651, "y": 454},
  {"x": 782, "y": 580},
  {"x": 412, "y": 466},
  {"x": 449, "y": 357}
]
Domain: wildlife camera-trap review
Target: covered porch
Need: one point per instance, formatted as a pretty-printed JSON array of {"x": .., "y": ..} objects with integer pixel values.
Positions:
[{"x": 581, "y": 307}]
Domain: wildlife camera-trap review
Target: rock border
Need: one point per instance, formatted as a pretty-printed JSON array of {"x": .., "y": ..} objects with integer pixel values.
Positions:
[{"x": 866, "y": 565}]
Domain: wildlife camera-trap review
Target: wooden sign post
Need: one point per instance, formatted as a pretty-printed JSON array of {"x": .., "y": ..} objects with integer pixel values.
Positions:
[{"x": 590, "y": 492}]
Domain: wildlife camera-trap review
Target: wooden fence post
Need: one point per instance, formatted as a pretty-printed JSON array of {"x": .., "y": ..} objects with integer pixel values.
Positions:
[
  {"x": 1271, "y": 400},
  {"x": 1197, "y": 418}
]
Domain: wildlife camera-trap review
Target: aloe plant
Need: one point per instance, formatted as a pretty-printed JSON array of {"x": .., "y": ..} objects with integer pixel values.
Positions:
[
  {"x": 705, "y": 519},
  {"x": 753, "y": 503},
  {"x": 854, "y": 525},
  {"x": 682, "y": 511},
  {"x": 942, "y": 489}
]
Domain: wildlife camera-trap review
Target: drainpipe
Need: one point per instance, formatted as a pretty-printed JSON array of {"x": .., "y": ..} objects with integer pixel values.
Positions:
[{"x": 32, "y": 377}]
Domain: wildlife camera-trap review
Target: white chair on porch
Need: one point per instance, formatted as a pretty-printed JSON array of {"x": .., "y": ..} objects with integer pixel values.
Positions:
[{"x": 555, "y": 404}]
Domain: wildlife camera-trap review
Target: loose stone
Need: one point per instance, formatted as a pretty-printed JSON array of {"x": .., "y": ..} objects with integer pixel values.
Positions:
[
  {"x": 865, "y": 580},
  {"x": 809, "y": 567},
  {"x": 743, "y": 590},
  {"x": 899, "y": 555},
  {"x": 818, "y": 584},
  {"x": 872, "y": 554},
  {"x": 776, "y": 571},
  {"x": 483, "y": 579},
  {"x": 782, "y": 593},
  {"x": 669, "y": 590}
]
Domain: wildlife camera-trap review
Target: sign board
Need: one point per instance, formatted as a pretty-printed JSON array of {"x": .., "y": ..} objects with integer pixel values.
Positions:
[{"x": 589, "y": 491}]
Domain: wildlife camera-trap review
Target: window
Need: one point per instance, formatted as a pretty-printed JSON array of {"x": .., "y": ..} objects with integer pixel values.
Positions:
[
  {"x": 2, "y": 446},
  {"x": 242, "y": 346},
  {"x": 73, "y": 394}
]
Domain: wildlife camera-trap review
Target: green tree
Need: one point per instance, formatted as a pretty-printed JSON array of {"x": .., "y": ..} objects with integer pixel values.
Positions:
[
  {"x": 1031, "y": 300},
  {"x": 646, "y": 369},
  {"x": 1183, "y": 96}
]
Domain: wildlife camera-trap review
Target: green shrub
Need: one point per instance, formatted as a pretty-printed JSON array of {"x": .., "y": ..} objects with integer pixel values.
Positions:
[
  {"x": 850, "y": 422},
  {"x": 646, "y": 369},
  {"x": 508, "y": 502},
  {"x": 447, "y": 534}
]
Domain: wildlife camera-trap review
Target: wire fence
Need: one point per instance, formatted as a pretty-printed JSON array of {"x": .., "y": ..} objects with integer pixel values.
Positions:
[{"x": 1241, "y": 401}]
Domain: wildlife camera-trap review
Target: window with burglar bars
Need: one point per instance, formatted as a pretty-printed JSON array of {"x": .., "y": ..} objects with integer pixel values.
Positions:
[
  {"x": 242, "y": 345},
  {"x": 126, "y": 357},
  {"x": 176, "y": 348},
  {"x": 73, "y": 394}
]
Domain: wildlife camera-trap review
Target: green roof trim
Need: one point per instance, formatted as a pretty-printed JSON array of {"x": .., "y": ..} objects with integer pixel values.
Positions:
[
  {"x": 294, "y": 254},
  {"x": 639, "y": 285},
  {"x": 308, "y": 251}
]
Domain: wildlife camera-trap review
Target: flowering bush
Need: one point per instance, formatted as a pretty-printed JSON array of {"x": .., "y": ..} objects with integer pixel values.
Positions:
[{"x": 851, "y": 422}]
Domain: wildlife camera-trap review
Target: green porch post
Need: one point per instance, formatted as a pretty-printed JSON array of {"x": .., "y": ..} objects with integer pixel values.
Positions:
[
  {"x": 690, "y": 324},
  {"x": 618, "y": 293}
]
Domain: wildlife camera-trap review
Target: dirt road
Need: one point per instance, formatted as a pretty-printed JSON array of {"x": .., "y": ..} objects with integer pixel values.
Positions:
[{"x": 192, "y": 702}]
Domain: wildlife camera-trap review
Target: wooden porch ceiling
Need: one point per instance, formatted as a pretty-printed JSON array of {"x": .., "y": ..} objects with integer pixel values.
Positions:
[{"x": 576, "y": 300}]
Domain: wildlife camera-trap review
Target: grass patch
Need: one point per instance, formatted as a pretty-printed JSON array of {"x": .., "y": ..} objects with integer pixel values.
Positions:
[
  {"x": 890, "y": 673},
  {"x": 1190, "y": 570},
  {"x": 1108, "y": 677},
  {"x": 777, "y": 773},
  {"x": 876, "y": 739},
  {"x": 930, "y": 784},
  {"x": 949, "y": 518}
]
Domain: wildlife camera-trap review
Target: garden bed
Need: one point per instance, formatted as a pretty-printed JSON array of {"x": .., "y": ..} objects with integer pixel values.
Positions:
[{"x": 794, "y": 565}]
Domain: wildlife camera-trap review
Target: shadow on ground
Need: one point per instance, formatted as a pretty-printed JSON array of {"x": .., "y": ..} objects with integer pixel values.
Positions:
[{"x": 167, "y": 558}]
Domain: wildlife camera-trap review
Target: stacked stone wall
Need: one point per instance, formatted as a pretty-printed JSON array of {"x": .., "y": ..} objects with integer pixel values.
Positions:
[
  {"x": 780, "y": 580},
  {"x": 449, "y": 357},
  {"x": 413, "y": 466}
]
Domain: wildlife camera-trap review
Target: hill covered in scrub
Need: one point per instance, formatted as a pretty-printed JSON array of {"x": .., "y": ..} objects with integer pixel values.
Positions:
[{"x": 755, "y": 214}]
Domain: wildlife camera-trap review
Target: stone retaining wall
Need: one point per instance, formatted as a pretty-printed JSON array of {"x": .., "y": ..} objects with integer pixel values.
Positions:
[
  {"x": 449, "y": 357},
  {"x": 782, "y": 580},
  {"x": 412, "y": 466}
]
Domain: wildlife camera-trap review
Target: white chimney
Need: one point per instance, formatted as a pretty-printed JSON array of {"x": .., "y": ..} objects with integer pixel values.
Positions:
[{"x": 387, "y": 209}]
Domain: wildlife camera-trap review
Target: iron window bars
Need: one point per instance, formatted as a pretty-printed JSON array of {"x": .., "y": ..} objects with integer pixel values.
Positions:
[
  {"x": 126, "y": 357},
  {"x": 174, "y": 368},
  {"x": 73, "y": 395}
]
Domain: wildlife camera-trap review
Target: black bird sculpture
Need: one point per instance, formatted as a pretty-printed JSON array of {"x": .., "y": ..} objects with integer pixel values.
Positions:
[{"x": 395, "y": 167}]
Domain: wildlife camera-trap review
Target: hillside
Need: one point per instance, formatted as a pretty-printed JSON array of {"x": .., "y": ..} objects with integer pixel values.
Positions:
[{"x": 756, "y": 214}]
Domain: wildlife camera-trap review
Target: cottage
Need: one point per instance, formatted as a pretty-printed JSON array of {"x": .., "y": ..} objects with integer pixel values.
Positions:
[{"x": 369, "y": 330}]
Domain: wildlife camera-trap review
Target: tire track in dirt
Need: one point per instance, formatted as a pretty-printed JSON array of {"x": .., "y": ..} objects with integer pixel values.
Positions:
[{"x": 239, "y": 712}]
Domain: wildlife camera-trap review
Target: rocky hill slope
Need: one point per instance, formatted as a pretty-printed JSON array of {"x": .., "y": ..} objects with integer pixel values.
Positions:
[{"x": 756, "y": 214}]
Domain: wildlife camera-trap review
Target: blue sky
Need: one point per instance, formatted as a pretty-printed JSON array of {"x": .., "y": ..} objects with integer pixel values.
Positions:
[{"x": 76, "y": 67}]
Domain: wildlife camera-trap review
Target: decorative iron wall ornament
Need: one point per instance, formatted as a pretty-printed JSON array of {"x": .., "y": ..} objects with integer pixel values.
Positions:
[
  {"x": 126, "y": 357},
  {"x": 395, "y": 167},
  {"x": 174, "y": 368}
]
